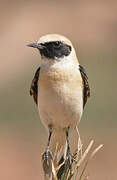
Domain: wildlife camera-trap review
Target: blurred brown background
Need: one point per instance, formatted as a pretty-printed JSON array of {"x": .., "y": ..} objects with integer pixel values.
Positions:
[{"x": 92, "y": 27}]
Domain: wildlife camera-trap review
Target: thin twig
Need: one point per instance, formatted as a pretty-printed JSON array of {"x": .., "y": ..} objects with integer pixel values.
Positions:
[
  {"x": 51, "y": 170},
  {"x": 85, "y": 153}
]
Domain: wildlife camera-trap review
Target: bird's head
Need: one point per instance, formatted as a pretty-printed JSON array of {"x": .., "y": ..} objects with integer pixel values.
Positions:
[{"x": 54, "y": 47}]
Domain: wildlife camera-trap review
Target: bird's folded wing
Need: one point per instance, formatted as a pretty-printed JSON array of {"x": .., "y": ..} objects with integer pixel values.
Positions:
[
  {"x": 34, "y": 86},
  {"x": 86, "y": 88}
]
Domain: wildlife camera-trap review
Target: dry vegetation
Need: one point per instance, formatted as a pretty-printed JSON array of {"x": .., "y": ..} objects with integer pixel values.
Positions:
[{"x": 80, "y": 157}]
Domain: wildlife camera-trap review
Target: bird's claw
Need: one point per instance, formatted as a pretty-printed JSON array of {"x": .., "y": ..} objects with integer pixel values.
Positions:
[
  {"x": 47, "y": 158},
  {"x": 69, "y": 161}
]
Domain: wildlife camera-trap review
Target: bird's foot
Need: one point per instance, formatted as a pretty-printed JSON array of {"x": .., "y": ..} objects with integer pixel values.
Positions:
[
  {"x": 47, "y": 158},
  {"x": 69, "y": 161}
]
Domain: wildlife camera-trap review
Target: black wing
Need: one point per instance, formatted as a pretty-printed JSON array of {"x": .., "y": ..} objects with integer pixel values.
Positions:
[
  {"x": 34, "y": 86},
  {"x": 86, "y": 90}
]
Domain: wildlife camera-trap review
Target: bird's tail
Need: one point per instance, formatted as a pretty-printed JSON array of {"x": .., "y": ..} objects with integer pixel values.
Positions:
[{"x": 58, "y": 144}]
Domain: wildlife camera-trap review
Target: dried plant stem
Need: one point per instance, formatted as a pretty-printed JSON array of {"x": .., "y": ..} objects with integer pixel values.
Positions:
[{"x": 50, "y": 172}]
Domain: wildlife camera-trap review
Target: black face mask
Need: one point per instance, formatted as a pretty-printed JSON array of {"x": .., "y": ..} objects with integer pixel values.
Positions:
[{"x": 55, "y": 49}]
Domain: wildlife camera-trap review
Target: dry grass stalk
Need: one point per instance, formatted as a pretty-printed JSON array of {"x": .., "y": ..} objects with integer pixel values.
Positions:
[{"x": 50, "y": 171}]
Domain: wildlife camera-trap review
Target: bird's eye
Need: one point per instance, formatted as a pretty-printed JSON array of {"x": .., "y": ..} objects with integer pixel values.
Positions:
[{"x": 57, "y": 44}]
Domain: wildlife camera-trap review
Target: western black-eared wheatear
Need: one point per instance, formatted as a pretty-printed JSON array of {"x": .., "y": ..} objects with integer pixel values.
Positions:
[{"x": 60, "y": 89}]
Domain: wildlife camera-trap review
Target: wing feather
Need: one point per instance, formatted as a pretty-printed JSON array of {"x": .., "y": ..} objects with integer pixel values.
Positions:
[
  {"x": 86, "y": 89},
  {"x": 34, "y": 86}
]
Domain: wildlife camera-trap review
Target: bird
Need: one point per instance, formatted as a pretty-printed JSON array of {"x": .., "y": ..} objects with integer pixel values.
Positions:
[{"x": 60, "y": 89}]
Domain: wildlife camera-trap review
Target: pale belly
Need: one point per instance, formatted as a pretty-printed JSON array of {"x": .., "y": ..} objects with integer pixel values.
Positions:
[{"x": 60, "y": 105}]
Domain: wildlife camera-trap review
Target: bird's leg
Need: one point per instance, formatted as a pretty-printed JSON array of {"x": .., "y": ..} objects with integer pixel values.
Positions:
[
  {"x": 47, "y": 156},
  {"x": 50, "y": 134},
  {"x": 69, "y": 157}
]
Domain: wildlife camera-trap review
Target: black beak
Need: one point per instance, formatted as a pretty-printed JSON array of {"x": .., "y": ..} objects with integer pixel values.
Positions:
[{"x": 36, "y": 45}]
